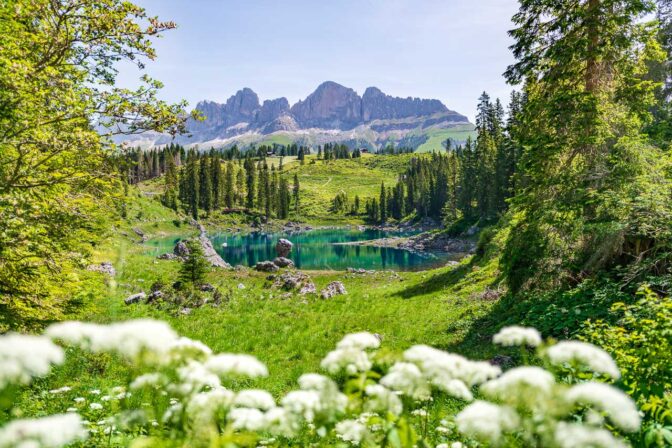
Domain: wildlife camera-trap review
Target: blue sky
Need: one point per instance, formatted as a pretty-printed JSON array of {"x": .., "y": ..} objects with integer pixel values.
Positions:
[{"x": 451, "y": 50}]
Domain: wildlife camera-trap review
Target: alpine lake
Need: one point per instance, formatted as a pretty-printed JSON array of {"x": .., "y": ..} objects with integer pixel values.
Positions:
[{"x": 319, "y": 249}]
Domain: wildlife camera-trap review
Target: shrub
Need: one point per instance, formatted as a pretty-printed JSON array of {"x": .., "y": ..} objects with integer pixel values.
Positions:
[{"x": 641, "y": 342}]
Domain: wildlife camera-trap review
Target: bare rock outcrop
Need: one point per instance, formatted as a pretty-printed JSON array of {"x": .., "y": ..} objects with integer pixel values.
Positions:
[
  {"x": 333, "y": 289},
  {"x": 283, "y": 247}
]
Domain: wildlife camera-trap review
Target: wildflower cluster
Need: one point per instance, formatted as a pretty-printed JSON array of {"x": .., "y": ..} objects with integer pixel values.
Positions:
[{"x": 183, "y": 393}]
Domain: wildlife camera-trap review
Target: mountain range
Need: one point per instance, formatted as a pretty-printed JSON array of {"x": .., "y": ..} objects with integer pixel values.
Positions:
[{"x": 332, "y": 113}]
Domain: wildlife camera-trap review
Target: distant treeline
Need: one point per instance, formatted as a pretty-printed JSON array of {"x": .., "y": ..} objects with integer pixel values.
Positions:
[{"x": 470, "y": 182}]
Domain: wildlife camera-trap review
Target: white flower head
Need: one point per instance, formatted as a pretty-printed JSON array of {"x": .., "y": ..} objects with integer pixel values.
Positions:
[
  {"x": 361, "y": 341},
  {"x": 621, "y": 409},
  {"x": 254, "y": 398},
  {"x": 143, "y": 340},
  {"x": 575, "y": 435},
  {"x": 54, "y": 431},
  {"x": 584, "y": 354},
  {"x": 351, "y": 431},
  {"x": 247, "y": 419},
  {"x": 305, "y": 403},
  {"x": 517, "y": 336},
  {"x": 350, "y": 359},
  {"x": 23, "y": 357},
  {"x": 520, "y": 383},
  {"x": 407, "y": 378},
  {"x": 486, "y": 421},
  {"x": 228, "y": 364},
  {"x": 381, "y": 399},
  {"x": 203, "y": 407}
]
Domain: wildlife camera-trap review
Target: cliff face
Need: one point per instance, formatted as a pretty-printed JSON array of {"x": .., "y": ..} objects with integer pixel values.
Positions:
[
  {"x": 378, "y": 106},
  {"x": 331, "y": 106}
]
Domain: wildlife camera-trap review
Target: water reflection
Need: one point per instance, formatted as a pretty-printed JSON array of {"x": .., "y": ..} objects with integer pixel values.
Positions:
[{"x": 318, "y": 250}]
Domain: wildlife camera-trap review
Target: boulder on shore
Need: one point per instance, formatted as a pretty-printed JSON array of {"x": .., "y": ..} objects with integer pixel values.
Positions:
[
  {"x": 283, "y": 262},
  {"x": 181, "y": 250},
  {"x": 135, "y": 298},
  {"x": 266, "y": 266},
  {"x": 283, "y": 247},
  {"x": 333, "y": 289}
]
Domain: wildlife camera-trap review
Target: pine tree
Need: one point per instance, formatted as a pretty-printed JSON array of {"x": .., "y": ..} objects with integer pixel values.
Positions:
[
  {"x": 171, "y": 189},
  {"x": 205, "y": 185},
  {"x": 229, "y": 186},
  {"x": 194, "y": 268},
  {"x": 191, "y": 183},
  {"x": 217, "y": 182},
  {"x": 251, "y": 182},
  {"x": 383, "y": 203}
]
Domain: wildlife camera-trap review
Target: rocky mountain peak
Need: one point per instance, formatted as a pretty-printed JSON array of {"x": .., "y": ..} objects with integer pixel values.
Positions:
[{"x": 331, "y": 105}]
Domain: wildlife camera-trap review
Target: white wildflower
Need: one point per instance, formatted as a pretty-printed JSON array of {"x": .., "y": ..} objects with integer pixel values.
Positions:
[
  {"x": 96, "y": 406},
  {"x": 441, "y": 366},
  {"x": 23, "y": 357},
  {"x": 247, "y": 419},
  {"x": 574, "y": 435},
  {"x": 54, "y": 431},
  {"x": 517, "y": 336},
  {"x": 281, "y": 422},
  {"x": 454, "y": 388},
  {"x": 419, "y": 413},
  {"x": 79, "y": 400},
  {"x": 234, "y": 364},
  {"x": 305, "y": 403},
  {"x": 95, "y": 392},
  {"x": 349, "y": 359},
  {"x": 381, "y": 399},
  {"x": 148, "y": 380},
  {"x": 620, "y": 408},
  {"x": 254, "y": 398},
  {"x": 194, "y": 377},
  {"x": 351, "y": 431},
  {"x": 203, "y": 407},
  {"x": 185, "y": 349},
  {"x": 315, "y": 381},
  {"x": 520, "y": 383},
  {"x": 407, "y": 378},
  {"x": 487, "y": 422},
  {"x": 60, "y": 390},
  {"x": 361, "y": 341},
  {"x": 587, "y": 355}
]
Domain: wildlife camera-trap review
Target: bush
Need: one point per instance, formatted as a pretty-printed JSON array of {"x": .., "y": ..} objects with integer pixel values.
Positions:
[{"x": 640, "y": 340}]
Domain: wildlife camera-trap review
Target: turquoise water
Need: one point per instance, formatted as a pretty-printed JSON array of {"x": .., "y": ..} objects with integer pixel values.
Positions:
[{"x": 318, "y": 250}]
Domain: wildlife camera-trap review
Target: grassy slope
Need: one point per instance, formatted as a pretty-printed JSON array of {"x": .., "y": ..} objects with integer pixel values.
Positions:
[
  {"x": 322, "y": 180},
  {"x": 437, "y": 137},
  {"x": 289, "y": 333}
]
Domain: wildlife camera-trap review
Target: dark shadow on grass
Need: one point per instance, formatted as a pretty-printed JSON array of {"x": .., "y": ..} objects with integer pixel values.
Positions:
[{"x": 436, "y": 282}]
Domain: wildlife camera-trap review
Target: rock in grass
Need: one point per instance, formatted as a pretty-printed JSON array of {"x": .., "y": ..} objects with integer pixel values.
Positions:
[
  {"x": 154, "y": 295},
  {"x": 207, "y": 287},
  {"x": 333, "y": 289},
  {"x": 168, "y": 256},
  {"x": 283, "y": 247},
  {"x": 135, "y": 298},
  {"x": 104, "y": 268},
  {"x": 283, "y": 262},
  {"x": 292, "y": 281},
  {"x": 266, "y": 266}
]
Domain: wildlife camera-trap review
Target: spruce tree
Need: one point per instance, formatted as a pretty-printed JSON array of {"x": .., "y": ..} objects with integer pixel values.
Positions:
[
  {"x": 171, "y": 188},
  {"x": 194, "y": 268},
  {"x": 205, "y": 184},
  {"x": 383, "y": 203},
  {"x": 296, "y": 194}
]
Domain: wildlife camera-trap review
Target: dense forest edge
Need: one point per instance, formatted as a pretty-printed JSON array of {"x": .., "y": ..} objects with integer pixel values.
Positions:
[{"x": 567, "y": 196}]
